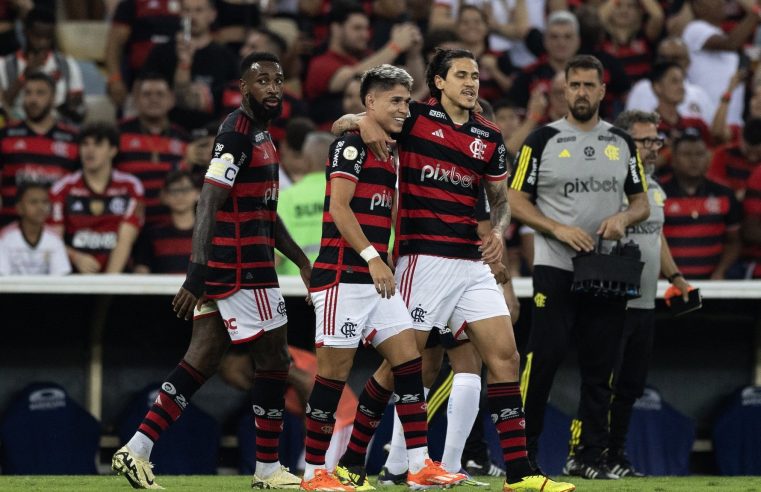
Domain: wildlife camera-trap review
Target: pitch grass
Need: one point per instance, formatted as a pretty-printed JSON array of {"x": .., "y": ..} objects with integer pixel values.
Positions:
[{"x": 241, "y": 483}]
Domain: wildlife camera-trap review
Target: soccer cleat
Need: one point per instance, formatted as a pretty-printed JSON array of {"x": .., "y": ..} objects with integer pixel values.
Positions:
[
  {"x": 619, "y": 464},
  {"x": 490, "y": 469},
  {"x": 137, "y": 471},
  {"x": 470, "y": 482},
  {"x": 538, "y": 483},
  {"x": 325, "y": 480},
  {"x": 593, "y": 471},
  {"x": 354, "y": 476},
  {"x": 281, "y": 479},
  {"x": 433, "y": 475},
  {"x": 388, "y": 479}
]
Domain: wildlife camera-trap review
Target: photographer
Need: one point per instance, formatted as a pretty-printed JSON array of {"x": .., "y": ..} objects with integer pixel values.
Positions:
[{"x": 569, "y": 182}]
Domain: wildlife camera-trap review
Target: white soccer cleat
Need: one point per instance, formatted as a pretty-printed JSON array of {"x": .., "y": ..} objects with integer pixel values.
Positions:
[
  {"x": 281, "y": 479},
  {"x": 137, "y": 471}
]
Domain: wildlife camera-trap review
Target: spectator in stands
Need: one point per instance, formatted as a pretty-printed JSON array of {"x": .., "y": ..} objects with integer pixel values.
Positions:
[
  {"x": 293, "y": 160},
  {"x": 384, "y": 15},
  {"x": 149, "y": 145},
  {"x": 39, "y": 54},
  {"x": 696, "y": 104},
  {"x": 720, "y": 130},
  {"x": 28, "y": 247},
  {"x": 714, "y": 53},
  {"x": 351, "y": 103},
  {"x": 198, "y": 152},
  {"x": 38, "y": 149},
  {"x": 751, "y": 226},
  {"x": 702, "y": 216},
  {"x": 98, "y": 210},
  {"x": 733, "y": 163},
  {"x": 166, "y": 247},
  {"x": 234, "y": 19},
  {"x": 515, "y": 122},
  {"x": 11, "y": 12},
  {"x": 346, "y": 56},
  {"x": 632, "y": 28},
  {"x": 301, "y": 205},
  {"x": 668, "y": 85},
  {"x": 137, "y": 26},
  {"x": 197, "y": 67}
]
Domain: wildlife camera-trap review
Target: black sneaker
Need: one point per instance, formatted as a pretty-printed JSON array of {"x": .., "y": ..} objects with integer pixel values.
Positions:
[
  {"x": 386, "y": 478},
  {"x": 618, "y": 463},
  {"x": 593, "y": 471},
  {"x": 474, "y": 469}
]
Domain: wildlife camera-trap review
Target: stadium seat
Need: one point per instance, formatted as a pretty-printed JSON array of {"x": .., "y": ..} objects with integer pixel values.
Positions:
[
  {"x": 189, "y": 447},
  {"x": 84, "y": 40},
  {"x": 660, "y": 438},
  {"x": 44, "y": 432},
  {"x": 737, "y": 434}
]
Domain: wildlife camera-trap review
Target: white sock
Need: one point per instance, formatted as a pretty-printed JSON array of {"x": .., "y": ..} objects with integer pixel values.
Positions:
[
  {"x": 265, "y": 470},
  {"x": 309, "y": 470},
  {"x": 396, "y": 462},
  {"x": 417, "y": 457},
  {"x": 461, "y": 413},
  {"x": 140, "y": 446}
]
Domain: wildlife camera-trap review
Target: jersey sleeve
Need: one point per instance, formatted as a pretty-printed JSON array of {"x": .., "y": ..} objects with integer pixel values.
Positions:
[
  {"x": 231, "y": 152},
  {"x": 497, "y": 168},
  {"x": 528, "y": 159},
  {"x": 347, "y": 157},
  {"x": 635, "y": 173}
]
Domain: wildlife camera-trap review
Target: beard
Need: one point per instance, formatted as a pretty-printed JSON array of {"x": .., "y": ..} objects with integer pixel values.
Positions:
[
  {"x": 261, "y": 112},
  {"x": 584, "y": 113},
  {"x": 37, "y": 114}
]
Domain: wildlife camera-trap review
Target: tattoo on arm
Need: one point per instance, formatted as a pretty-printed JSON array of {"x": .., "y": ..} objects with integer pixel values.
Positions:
[
  {"x": 345, "y": 123},
  {"x": 496, "y": 192},
  {"x": 212, "y": 198},
  {"x": 286, "y": 245}
]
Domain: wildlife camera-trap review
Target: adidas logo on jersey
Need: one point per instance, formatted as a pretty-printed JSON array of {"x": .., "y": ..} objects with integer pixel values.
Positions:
[
  {"x": 564, "y": 154},
  {"x": 438, "y": 133}
]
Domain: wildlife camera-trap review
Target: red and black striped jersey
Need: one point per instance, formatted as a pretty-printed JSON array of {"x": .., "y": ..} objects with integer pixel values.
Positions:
[
  {"x": 164, "y": 249},
  {"x": 696, "y": 225},
  {"x": 245, "y": 161},
  {"x": 752, "y": 208},
  {"x": 150, "y": 157},
  {"x": 26, "y": 156},
  {"x": 151, "y": 22},
  {"x": 729, "y": 166},
  {"x": 91, "y": 220},
  {"x": 441, "y": 168},
  {"x": 373, "y": 198},
  {"x": 636, "y": 56}
]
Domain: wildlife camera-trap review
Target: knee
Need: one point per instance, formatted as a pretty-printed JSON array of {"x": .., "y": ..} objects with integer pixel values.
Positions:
[
  {"x": 205, "y": 358},
  {"x": 237, "y": 370},
  {"x": 505, "y": 366}
]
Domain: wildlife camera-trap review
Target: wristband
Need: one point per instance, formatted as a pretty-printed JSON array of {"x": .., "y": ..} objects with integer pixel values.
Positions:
[
  {"x": 184, "y": 66},
  {"x": 395, "y": 48},
  {"x": 195, "y": 281},
  {"x": 726, "y": 97},
  {"x": 115, "y": 77},
  {"x": 369, "y": 253},
  {"x": 674, "y": 276}
]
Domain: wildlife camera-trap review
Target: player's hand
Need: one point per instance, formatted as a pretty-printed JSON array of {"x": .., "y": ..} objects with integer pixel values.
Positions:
[
  {"x": 683, "y": 286},
  {"x": 499, "y": 270},
  {"x": 184, "y": 302},
  {"x": 85, "y": 263},
  {"x": 306, "y": 275},
  {"x": 492, "y": 247},
  {"x": 375, "y": 137},
  {"x": 390, "y": 262},
  {"x": 513, "y": 304},
  {"x": 613, "y": 228},
  {"x": 383, "y": 278},
  {"x": 574, "y": 237}
]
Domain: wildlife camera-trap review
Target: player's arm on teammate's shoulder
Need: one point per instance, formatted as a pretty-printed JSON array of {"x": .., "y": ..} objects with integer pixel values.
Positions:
[{"x": 373, "y": 135}]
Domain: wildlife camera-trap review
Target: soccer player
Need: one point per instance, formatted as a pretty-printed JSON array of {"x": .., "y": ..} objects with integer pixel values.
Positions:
[
  {"x": 98, "y": 210},
  {"x": 445, "y": 151},
  {"x": 570, "y": 179},
  {"x": 233, "y": 264},
  {"x": 354, "y": 292}
]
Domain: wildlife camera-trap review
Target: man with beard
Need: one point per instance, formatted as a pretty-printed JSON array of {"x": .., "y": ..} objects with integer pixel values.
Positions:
[
  {"x": 232, "y": 263},
  {"x": 38, "y": 149},
  {"x": 570, "y": 179}
]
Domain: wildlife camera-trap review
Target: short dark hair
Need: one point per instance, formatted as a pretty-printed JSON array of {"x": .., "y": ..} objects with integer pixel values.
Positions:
[
  {"x": 41, "y": 76},
  {"x": 343, "y": 9},
  {"x": 100, "y": 131},
  {"x": 151, "y": 76},
  {"x": 661, "y": 68},
  {"x": 584, "y": 62},
  {"x": 384, "y": 77},
  {"x": 689, "y": 134},
  {"x": 29, "y": 185},
  {"x": 275, "y": 38},
  {"x": 627, "y": 119},
  {"x": 752, "y": 131},
  {"x": 296, "y": 131},
  {"x": 176, "y": 176},
  {"x": 39, "y": 15},
  {"x": 440, "y": 65},
  {"x": 256, "y": 56}
]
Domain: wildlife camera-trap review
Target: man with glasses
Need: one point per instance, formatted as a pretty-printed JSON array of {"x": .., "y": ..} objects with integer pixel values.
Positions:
[{"x": 639, "y": 326}]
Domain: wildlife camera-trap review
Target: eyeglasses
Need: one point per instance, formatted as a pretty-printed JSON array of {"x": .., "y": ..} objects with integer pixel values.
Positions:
[{"x": 649, "y": 142}]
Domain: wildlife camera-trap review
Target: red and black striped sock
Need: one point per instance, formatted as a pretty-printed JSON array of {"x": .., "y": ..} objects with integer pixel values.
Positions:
[
  {"x": 267, "y": 396},
  {"x": 174, "y": 395},
  {"x": 507, "y": 413},
  {"x": 321, "y": 418},
  {"x": 410, "y": 402},
  {"x": 372, "y": 403}
]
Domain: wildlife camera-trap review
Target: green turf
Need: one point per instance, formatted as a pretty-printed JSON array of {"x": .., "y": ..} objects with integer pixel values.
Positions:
[{"x": 241, "y": 483}]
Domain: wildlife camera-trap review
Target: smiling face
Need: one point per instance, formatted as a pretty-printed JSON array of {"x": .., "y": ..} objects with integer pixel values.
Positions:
[
  {"x": 461, "y": 84},
  {"x": 389, "y": 107},
  {"x": 262, "y": 89}
]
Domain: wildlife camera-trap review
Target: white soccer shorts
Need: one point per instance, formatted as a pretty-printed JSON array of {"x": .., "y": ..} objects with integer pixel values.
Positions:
[{"x": 248, "y": 313}]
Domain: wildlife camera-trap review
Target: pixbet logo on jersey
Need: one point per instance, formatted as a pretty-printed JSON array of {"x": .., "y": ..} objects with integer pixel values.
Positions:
[
  {"x": 590, "y": 185},
  {"x": 446, "y": 175},
  {"x": 383, "y": 199},
  {"x": 271, "y": 193}
]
